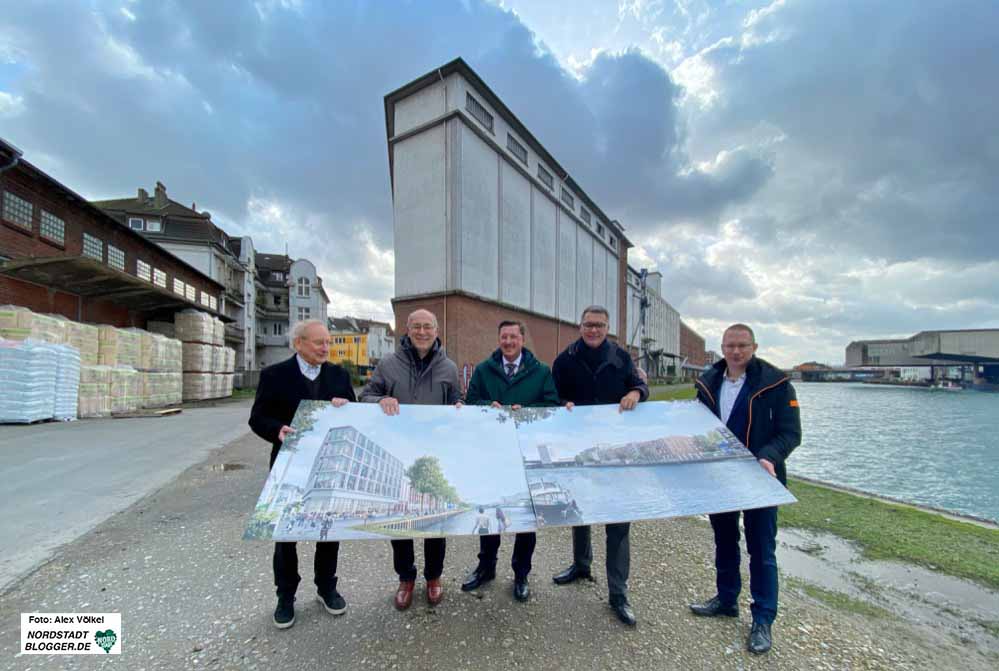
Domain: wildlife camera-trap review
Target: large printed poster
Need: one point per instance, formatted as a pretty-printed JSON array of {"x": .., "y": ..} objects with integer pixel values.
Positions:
[{"x": 354, "y": 473}]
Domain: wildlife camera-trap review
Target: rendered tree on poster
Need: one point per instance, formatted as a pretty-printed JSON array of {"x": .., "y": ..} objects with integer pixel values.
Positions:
[
  {"x": 427, "y": 477},
  {"x": 530, "y": 415}
]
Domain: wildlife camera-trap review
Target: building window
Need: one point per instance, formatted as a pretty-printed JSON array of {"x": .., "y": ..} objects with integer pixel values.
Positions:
[
  {"x": 116, "y": 257},
  {"x": 17, "y": 210},
  {"x": 278, "y": 329},
  {"x": 303, "y": 314},
  {"x": 204, "y": 300},
  {"x": 159, "y": 278},
  {"x": 585, "y": 214},
  {"x": 600, "y": 230},
  {"x": 516, "y": 148},
  {"x": 277, "y": 277},
  {"x": 479, "y": 112},
  {"x": 568, "y": 199},
  {"x": 277, "y": 300},
  {"x": 546, "y": 178},
  {"x": 93, "y": 247},
  {"x": 612, "y": 240},
  {"x": 53, "y": 227},
  {"x": 143, "y": 270},
  {"x": 191, "y": 293},
  {"x": 178, "y": 287},
  {"x": 154, "y": 225},
  {"x": 136, "y": 223},
  {"x": 213, "y": 303},
  {"x": 303, "y": 287}
]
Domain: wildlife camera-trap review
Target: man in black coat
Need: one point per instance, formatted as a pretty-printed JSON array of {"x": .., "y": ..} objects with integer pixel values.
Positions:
[
  {"x": 306, "y": 376},
  {"x": 594, "y": 371},
  {"x": 757, "y": 402}
]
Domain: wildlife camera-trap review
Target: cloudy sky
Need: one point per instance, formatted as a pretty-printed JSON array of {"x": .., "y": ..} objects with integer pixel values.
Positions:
[{"x": 824, "y": 170}]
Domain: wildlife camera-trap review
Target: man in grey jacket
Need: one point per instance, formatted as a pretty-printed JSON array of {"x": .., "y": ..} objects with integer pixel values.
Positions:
[{"x": 419, "y": 372}]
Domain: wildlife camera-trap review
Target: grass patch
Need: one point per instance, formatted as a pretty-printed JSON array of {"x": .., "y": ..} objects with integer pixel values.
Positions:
[
  {"x": 838, "y": 600},
  {"x": 248, "y": 392},
  {"x": 678, "y": 392},
  {"x": 888, "y": 531}
]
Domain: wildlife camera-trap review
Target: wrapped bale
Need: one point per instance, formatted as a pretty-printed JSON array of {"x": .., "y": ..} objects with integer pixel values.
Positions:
[
  {"x": 197, "y": 386},
  {"x": 95, "y": 391},
  {"x": 28, "y": 377},
  {"x": 173, "y": 356},
  {"x": 198, "y": 357},
  {"x": 218, "y": 359},
  {"x": 125, "y": 392},
  {"x": 230, "y": 360},
  {"x": 144, "y": 358},
  {"x": 67, "y": 383},
  {"x": 85, "y": 338},
  {"x": 107, "y": 345},
  {"x": 218, "y": 332},
  {"x": 163, "y": 328},
  {"x": 20, "y": 323},
  {"x": 155, "y": 389},
  {"x": 227, "y": 380},
  {"x": 175, "y": 388},
  {"x": 194, "y": 326}
]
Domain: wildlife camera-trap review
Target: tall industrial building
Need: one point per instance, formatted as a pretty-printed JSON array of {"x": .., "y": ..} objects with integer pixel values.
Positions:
[{"x": 488, "y": 224}]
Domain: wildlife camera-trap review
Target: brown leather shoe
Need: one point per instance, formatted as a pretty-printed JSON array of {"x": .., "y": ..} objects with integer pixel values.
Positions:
[
  {"x": 404, "y": 595},
  {"x": 435, "y": 591}
]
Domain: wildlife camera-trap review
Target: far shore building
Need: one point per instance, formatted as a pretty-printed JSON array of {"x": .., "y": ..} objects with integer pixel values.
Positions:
[{"x": 490, "y": 226}]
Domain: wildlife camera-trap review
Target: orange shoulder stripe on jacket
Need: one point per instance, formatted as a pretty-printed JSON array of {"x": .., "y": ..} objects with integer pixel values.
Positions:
[
  {"x": 705, "y": 388},
  {"x": 750, "y": 426}
]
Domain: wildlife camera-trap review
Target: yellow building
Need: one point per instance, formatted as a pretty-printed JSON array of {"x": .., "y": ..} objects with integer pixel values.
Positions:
[{"x": 352, "y": 347}]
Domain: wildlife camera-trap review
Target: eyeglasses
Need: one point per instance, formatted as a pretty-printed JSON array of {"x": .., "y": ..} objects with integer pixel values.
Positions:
[
  {"x": 738, "y": 345},
  {"x": 594, "y": 326},
  {"x": 421, "y": 327}
]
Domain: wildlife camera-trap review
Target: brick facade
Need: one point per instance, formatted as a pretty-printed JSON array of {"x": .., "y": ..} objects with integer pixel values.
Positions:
[
  {"x": 17, "y": 242},
  {"x": 692, "y": 346}
]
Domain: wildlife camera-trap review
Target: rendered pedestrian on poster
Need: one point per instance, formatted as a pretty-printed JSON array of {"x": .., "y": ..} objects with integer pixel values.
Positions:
[
  {"x": 305, "y": 376},
  {"x": 757, "y": 403}
]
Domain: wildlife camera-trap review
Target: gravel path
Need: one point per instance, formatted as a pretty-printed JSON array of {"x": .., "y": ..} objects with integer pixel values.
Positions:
[{"x": 193, "y": 595}]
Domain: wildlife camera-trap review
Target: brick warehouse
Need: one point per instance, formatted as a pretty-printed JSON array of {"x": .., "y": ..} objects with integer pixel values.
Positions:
[
  {"x": 62, "y": 255},
  {"x": 488, "y": 225}
]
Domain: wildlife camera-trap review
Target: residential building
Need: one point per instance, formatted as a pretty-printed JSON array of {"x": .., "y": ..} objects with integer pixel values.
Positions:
[
  {"x": 375, "y": 338},
  {"x": 60, "y": 254},
  {"x": 287, "y": 291},
  {"x": 191, "y": 236},
  {"x": 489, "y": 225}
]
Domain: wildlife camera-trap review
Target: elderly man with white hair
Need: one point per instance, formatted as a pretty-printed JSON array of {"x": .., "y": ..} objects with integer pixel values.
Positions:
[{"x": 306, "y": 376}]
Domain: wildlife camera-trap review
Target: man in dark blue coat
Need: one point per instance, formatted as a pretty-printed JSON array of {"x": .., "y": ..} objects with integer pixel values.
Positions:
[
  {"x": 758, "y": 404},
  {"x": 305, "y": 376},
  {"x": 595, "y": 371}
]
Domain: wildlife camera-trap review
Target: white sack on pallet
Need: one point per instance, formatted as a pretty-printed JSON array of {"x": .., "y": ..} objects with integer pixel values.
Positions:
[
  {"x": 28, "y": 379},
  {"x": 67, "y": 385}
]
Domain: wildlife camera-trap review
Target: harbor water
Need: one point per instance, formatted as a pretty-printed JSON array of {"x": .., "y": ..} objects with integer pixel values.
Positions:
[{"x": 928, "y": 447}]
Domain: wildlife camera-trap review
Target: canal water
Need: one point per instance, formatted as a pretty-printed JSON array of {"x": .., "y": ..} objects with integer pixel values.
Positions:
[
  {"x": 519, "y": 518},
  {"x": 923, "y": 446}
]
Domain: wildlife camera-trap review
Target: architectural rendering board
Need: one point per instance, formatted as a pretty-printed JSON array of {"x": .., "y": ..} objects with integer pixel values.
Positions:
[
  {"x": 594, "y": 464},
  {"x": 355, "y": 473}
]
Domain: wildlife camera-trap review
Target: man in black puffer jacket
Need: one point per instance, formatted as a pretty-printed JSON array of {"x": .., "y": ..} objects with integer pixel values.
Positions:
[{"x": 757, "y": 402}]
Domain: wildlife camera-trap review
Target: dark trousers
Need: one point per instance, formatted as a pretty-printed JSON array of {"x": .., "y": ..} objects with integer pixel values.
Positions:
[
  {"x": 404, "y": 559},
  {"x": 523, "y": 550},
  {"x": 761, "y": 542},
  {"x": 618, "y": 556},
  {"x": 286, "y": 576}
]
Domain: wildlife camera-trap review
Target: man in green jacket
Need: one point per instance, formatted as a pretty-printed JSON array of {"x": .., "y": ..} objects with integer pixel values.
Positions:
[{"x": 510, "y": 377}]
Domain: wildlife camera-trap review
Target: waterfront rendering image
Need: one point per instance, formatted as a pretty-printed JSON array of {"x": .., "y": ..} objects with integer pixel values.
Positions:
[
  {"x": 595, "y": 464},
  {"x": 354, "y": 473}
]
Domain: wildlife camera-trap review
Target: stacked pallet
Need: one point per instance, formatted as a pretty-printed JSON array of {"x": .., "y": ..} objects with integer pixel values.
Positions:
[
  {"x": 208, "y": 364},
  {"x": 28, "y": 376}
]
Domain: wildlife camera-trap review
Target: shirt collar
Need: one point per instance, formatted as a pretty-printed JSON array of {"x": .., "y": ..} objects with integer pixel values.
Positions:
[
  {"x": 515, "y": 362},
  {"x": 738, "y": 380},
  {"x": 305, "y": 365}
]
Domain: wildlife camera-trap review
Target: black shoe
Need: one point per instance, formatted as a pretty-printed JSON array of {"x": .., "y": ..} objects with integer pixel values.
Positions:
[
  {"x": 714, "y": 608},
  {"x": 332, "y": 601},
  {"x": 571, "y": 574},
  {"x": 477, "y": 578},
  {"x": 623, "y": 610},
  {"x": 521, "y": 590},
  {"x": 284, "y": 614},
  {"x": 759, "y": 638}
]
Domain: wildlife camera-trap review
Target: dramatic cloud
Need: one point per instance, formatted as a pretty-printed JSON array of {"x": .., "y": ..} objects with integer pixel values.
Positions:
[{"x": 822, "y": 169}]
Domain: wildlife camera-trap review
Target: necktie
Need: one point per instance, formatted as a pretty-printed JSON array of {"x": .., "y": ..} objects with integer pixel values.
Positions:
[{"x": 510, "y": 368}]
